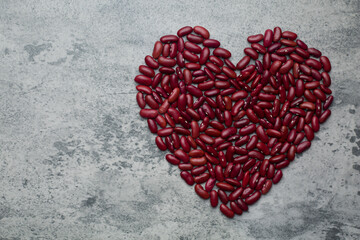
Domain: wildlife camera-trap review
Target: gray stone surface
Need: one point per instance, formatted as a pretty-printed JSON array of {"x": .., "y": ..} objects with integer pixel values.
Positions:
[{"x": 77, "y": 161}]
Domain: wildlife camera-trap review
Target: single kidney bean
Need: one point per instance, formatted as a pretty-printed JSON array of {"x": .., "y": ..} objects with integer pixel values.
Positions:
[
  {"x": 226, "y": 211},
  {"x": 266, "y": 187},
  {"x": 214, "y": 200},
  {"x": 201, "y": 192},
  {"x": 253, "y": 198},
  {"x": 187, "y": 177},
  {"x": 277, "y": 176}
]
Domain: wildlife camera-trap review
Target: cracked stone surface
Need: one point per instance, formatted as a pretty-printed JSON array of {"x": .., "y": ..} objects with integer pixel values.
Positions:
[{"x": 77, "y": 161}]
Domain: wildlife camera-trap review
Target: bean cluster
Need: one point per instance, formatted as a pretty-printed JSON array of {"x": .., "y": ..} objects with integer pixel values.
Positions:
[{"x": 232, "y": 128}]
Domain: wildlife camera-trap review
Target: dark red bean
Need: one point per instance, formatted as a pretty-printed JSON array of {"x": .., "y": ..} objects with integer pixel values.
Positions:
[
  {"x": 194, "y": 38},
  {"x": 214, "y": 200},
  {"x": 235, "y": 208},
  {"x": 187, "y": 177},
  {"x": 221, "y": 52},
  {"x": 268, "y": 38},
  {"x": 152, "y": 125},
  {"x": 255, "y": 38},
  {"x": 184, "y": 31},
  {"x": 172, "y": 159},
  {"x": 211, "y": 43},
  {"x": 277, "y": 177},
  {"x": 325, "y": 63},
  {"x": 158, "y": 47},
  {"x": 150, "y": 61},
  {"x": 168, "y": 38},
  {"x": 251, "y": 53},
  {"x": 201, "y": 192},
  {"x": 266, "y": 187},
  {"x": 202, "y": 31},
  {"x": 289, "y": 35},
  {"x": 226, "y": 211},
  {"x": 287, "y": 42},
  {"x": 314, "y": 52},
  {"x": 271, "y": 171},
  {"x": 253, "y": 198},
  {"x": 192, "y": 47},
  {"x": 303, "y": 146},
  {"x": 223, "y": 197},
  {"x": 301, "y": 44},
  {"x": 277, "y": 34},
  {"x": 296, "y": 58},
  {"x": 324, "y": 116}
]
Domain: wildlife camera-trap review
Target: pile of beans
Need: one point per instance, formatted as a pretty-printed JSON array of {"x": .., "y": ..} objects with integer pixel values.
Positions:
[{"x": 231, "y": 128}]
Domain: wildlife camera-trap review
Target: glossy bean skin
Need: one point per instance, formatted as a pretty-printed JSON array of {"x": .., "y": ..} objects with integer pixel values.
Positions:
[{"x": 231, "y": 129}]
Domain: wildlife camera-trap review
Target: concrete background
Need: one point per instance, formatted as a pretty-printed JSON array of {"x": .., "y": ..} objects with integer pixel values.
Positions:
[{"x": 77, "y": 161}]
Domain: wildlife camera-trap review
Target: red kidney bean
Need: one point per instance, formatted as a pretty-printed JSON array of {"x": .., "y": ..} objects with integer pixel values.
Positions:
[
  {"x": 221, "y": 52},
  {"x": 277, "y": 34},
  {"x": 254, "y": 179},
  {"x": 287, "y": 42},
  {"x": 184, "y": 31},
  {"x": 247, "y": 130},
  {"x": 192, "y": 47},
  {"x": 255, "y": 38},
  {"x": 251, "y": 53},
  {"x": 268, "y": 38},
  {"x": 152, "y": 125},
  {"x": 235, "y": 208},
  {"x": 172, "y": 159},
  {"x": 194, "y": 38},
  {"x": 273, "y": 47},
  {"x": 185, "y": 166},
  {"x": 202, "y": 31},
  {"x": 228, "y": 169},
  {"x": 277, "y": 177},
  {"x": 166, "y": 50},
  {"x": 214, "y": 200},
  {"x": 158, "y": 47},
  {"x": 211, "y": 43},
  {"x": 289, "y": 35},
  {"x": 150, "y": 61},
  {"x": 314, "y": 52},
  {"x": 326, "y": 79},
  {"x": 225, "y": 186},
  {"x": 140, "y": 100},
  {"x": 303, "y": 53},
  {"x": 313, "y": 63},
  {"x": 241, "y": 204},
  {"x": 271, "y": 171},
  {"x": 303, "y": 146},
  {"x": 325, "y": 89},
  {"x": 266, "y": 187},
  {"x": 198, "y": 161},
  {"x": 226, "y": 211},
  {"x": 260, "y": 48},
  {"x": 285, "y": 51},
  {"x": 187, "y": 177},
  {"x": 301, "y": 44},
  {"x": 253, "y": 198},
  {"x": 328, "y": 102},
  {"x": 202, "y": 177},
  {"x": 247, "y": 192},
  {"x": 223, "y": 197},
  {"x": 324, "y": 116},
  {"x": 296, "y": 58},
  {"x": 201, "y": 192},
  {"x": 168, "y": 38}
]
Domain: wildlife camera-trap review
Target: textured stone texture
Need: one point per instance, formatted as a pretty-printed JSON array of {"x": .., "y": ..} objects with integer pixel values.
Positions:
[{"x": 77, "y": 161}]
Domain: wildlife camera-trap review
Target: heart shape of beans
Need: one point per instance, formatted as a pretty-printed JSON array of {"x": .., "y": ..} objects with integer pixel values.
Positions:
[{"x": 232, "y": 128}]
